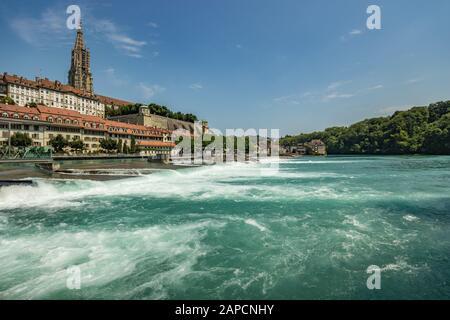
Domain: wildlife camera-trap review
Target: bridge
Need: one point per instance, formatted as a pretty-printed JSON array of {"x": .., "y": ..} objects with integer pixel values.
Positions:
[{"x": 26, "y": 155}]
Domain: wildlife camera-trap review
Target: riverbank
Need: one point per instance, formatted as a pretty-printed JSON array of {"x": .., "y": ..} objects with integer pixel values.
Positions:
[{"x": 105, "y": 169}]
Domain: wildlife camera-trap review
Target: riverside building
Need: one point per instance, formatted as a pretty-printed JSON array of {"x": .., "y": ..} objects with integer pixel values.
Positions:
[{"x": 43, "y": 123}]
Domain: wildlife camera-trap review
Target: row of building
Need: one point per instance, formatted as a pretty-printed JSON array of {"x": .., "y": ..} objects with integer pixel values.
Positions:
[
  {"x": 55, "y": 94},
  {"x": 42, "y": 124}
]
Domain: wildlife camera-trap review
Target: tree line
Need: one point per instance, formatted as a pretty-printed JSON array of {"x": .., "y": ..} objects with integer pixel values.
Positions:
[
  {"x": 419, "y": 130},
  {"x": 154, "y": 109}
]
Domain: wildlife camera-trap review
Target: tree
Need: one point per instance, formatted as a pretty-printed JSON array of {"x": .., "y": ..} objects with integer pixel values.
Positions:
[
  {"x": 19, "y": 139},
  {"x": 31, "y": 104},
  {"x": 108, "y": 144},
  {"x": 119, "y": 146},
  {"x": 133, "y": 145},
  {"x": 59, "y": 143},
  {"x": 418, "y": 130},
  {"x": 153, "y": 108},
  {"x": 7, "y": 100},
  {"x": 125, "y": 149},
  {"x": 76, "y": 145}
]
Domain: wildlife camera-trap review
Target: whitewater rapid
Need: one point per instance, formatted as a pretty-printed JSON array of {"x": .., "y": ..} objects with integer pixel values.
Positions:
[{"x": 309, "y": 230}]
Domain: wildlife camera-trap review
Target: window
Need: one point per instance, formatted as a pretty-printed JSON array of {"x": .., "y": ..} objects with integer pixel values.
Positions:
[
  {"x": 68, "y": 121},
  {"x": 36, "y": 118},
  {"x": 5, "y": 115},
  {"x": 16, "y": 116},
  {"x": 49, "y": 119},
  {"x": 26, "y": 117}
]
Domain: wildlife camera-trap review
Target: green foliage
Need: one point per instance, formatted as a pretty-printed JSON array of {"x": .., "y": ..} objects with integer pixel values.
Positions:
[
  {"x": 19, "y": 139},
  {"x": 125, "y": 148},
  {"x": 154, "y": 109},
  {"x": 7, "y": 100},
  {"x": 76, "y": 144},
  {"x": 133, "y": 148},
  {"x": 120, "y": 146},
  {"x": 108, "y": 144},
  {"x": 59, "y": 143},
  {"x": 418, "y": 130}
]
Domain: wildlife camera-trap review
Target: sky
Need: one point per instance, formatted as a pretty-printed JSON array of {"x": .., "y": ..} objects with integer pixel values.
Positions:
[{"x": 293, "y": 65}]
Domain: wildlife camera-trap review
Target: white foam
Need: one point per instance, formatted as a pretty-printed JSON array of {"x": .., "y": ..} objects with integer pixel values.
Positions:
[
  {"x": 410, "y": 218},
  {"x": 253, "y": 223},
  {"x": 38, "y": 262}
]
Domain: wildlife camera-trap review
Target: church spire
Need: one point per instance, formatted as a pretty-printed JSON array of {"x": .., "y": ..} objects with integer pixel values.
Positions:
[{"x": 80, "y": 75}]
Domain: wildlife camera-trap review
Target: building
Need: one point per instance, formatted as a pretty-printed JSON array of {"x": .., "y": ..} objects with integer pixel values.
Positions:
[
  {"x": 145, "y": 118},
  {"x": 43, "y": 123},
  {"x": 50, "y": 93},
  {"x": 80, "y": 76},
  {"x": 78, "y": 95},
  {"x": 301, "y": 149},
  {"x": 317, "y": 147}
]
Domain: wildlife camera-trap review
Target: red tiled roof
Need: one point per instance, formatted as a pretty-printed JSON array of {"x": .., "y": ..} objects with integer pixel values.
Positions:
[
  {"x": 58, "y": 86},
  {"x": 18, "y": 109},
  {"x": 113, "y": 101},
  {"x": 155, "y": 144},
  {"x": 44, "y": 112}
]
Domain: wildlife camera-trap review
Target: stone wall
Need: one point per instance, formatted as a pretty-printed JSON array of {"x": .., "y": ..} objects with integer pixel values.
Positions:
[{"x": 144, "y": 117}]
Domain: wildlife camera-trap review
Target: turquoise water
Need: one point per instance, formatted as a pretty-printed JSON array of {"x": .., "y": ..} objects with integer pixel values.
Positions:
[{"x": 236, "y": 231}]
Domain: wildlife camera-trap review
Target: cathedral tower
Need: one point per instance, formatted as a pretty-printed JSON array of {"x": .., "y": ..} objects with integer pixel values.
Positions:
[{"x": 80, "y": 75}]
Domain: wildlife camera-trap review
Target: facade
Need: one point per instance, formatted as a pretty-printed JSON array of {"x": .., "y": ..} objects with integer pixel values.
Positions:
[
  {"x": 43, "y": 123},
  {"x": 50, "y": 93},
  {"x": 145, "y": 118},
  {"x": 80, "y": 76},
  {"x": 78, "y": 95},
  {"x": 317, "y": 147}
]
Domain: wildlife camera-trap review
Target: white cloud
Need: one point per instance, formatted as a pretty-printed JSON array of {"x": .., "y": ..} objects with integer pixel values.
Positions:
[
  {"x": 379, "y": 86},
  {"x": 239, "y": 46},
  {"x": 196, "y": 86},
  {"x": 149, "y": 91},
  {"x": 355, "y": 32},
  {"x": 337, "y": 95},
  {"x": 351, "y": 34},
  {"x": 414, "y": 80},
  {"x": 152, "y": 24},
  {"x": 121, "y": 41},
  {"x": 48, "y": 29},
  {"x": 111, "y": 76},
  {"x": 337, "y": 84}
]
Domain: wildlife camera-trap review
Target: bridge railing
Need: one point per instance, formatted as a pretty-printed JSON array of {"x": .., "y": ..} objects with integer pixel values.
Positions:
[{"x": 25, "y": 153}]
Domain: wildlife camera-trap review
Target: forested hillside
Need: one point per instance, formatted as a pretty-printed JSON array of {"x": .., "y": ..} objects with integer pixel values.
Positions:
[{"x": 418, "y": 130}]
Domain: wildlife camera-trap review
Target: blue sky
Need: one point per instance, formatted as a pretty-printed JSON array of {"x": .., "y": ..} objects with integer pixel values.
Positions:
[{"x": 289, "y": 64}]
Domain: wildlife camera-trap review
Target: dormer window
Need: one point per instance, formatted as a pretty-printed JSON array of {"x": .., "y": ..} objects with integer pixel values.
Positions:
[
  {"x": 49, "y": 119},
  {"x": 5, "y": 115},
  {"x": 16, "y": 116}
]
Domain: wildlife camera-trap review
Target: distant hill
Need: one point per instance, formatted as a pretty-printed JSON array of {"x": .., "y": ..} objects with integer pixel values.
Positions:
[{"x": 420, "y": 130}]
